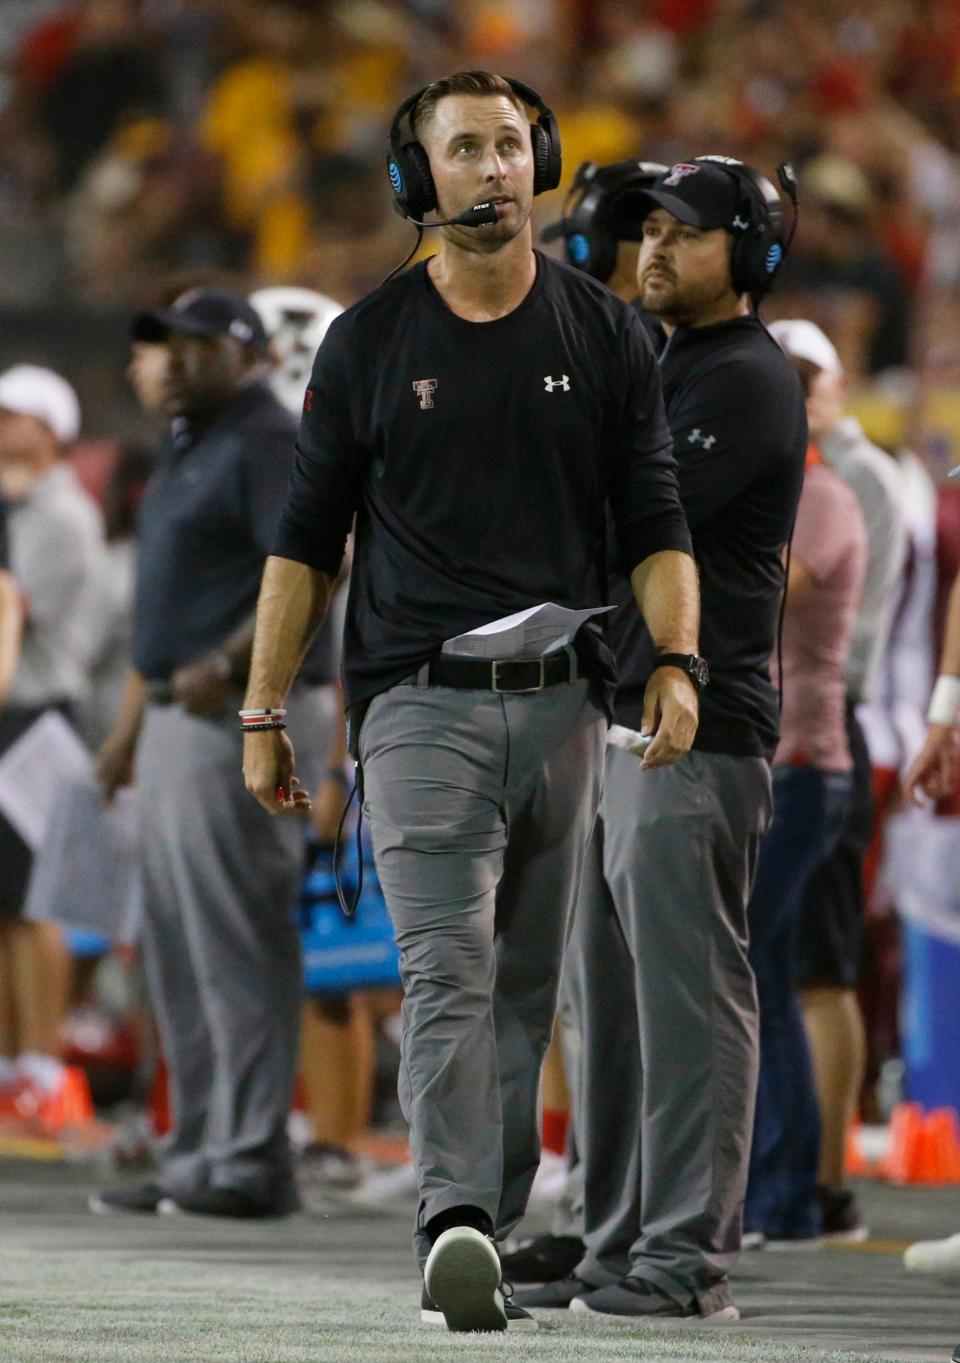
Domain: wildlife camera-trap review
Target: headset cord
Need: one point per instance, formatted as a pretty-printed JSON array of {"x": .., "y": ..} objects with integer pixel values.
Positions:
[
  {"x": 406, "y": 260},
  {"x": 349, "y": 911},
  {"x": 783, "y": 608}
]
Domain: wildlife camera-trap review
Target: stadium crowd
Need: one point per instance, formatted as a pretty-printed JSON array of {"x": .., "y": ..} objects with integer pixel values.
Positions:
[{"x": 190, "y": 192}]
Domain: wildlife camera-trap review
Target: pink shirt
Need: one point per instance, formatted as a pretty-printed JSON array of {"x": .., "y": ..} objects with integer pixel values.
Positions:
[{"x": 830, "y": 540}]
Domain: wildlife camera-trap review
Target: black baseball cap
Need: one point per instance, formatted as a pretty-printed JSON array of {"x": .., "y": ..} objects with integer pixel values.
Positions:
[
  {"x": 699, "y": 193},
  {"x": 203, "y": 312}
]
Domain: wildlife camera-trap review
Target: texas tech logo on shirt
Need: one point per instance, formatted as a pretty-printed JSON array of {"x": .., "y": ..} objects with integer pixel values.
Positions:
[
  {"x": 308, "y": 400},
  {"x": 424, "y": 388}
]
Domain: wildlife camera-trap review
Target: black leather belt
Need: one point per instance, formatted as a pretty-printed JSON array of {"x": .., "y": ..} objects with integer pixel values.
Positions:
[{"x": 516, "y": 677}]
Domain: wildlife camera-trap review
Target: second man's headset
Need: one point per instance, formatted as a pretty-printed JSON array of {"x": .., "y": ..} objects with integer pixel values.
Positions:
[
  {"x": 415, "y": 194},
  {"x": 604, "y": 208}
]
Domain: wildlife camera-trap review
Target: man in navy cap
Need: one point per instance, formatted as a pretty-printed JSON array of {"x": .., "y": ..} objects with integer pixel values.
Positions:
[
  {"x": 658, "y": 973},
  {"x": 220, "y": 942}
]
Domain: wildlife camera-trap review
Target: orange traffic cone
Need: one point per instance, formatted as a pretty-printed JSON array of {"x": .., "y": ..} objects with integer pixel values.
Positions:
[
  {"x": 902, "y": 1161},
  {"x": 70, "y": 1104},
  {"x": 940, "y": 1147},
  {"x": 855, "y": 1163}
]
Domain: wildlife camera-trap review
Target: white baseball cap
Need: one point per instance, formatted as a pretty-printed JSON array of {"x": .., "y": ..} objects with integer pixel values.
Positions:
[
  {"x": 33, "y": 391},
  {"x": 805, "y": 341}
]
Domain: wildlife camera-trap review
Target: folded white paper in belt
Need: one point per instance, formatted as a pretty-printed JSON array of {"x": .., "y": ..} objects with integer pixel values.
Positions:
[
  {"x": 530, "y": 633},
  {"x": 630, "y": 740}
]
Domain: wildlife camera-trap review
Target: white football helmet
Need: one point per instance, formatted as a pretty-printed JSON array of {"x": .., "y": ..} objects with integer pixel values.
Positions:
[{"x": 296, "y": 321}]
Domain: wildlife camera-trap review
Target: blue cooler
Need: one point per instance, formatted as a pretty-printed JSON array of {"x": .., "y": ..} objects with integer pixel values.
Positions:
[
  {"x": 923, "y": 869},
  {"x": 339, "y": 953}
]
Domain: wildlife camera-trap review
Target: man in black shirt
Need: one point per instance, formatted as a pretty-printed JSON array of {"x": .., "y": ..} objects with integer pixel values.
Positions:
[
  {"x": 658, "y": 968},
  {"x": 477, "y": 415},
  {"x": 221, "y": 947}
]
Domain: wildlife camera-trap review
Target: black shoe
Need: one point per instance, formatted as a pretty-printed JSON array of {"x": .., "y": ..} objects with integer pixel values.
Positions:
[
  {"x": 955, "y": 1356},
  {"x": 234, "y": 1203},
  {"x": 544, "y": 1260},
  {"x": 462, "y": 1280},
  {"x": 557, "y": 1294},
  {"x": 517, "y": 1318},
  {"x": 634, "y": 1297},
  {"x": 840, "y": 1214},
  {"x": 144, "y": 1198}
]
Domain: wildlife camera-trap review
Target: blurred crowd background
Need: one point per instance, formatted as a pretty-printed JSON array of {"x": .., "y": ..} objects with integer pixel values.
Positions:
[
  {"x": 140, "y": 138},
  {"x": 147, "y": 144}
]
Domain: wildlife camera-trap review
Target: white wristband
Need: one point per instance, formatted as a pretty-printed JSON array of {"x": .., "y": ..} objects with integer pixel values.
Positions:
[{"x": 945, "y": 701}]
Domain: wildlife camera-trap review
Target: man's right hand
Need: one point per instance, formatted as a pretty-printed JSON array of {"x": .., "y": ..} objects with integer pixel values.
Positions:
[
  {"x": 268, "y": 762},
  {"x": 114, "y": 767}
]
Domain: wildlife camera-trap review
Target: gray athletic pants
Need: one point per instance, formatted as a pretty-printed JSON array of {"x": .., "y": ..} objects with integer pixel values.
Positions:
[
  {"x": 669, "y": 1021},
  {"x": 221, "y": 950},
  {"x": 480, "y": 808}
]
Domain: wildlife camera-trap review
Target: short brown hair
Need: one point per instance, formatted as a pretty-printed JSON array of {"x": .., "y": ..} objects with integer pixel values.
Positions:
[{"x": 462, "y": 83}]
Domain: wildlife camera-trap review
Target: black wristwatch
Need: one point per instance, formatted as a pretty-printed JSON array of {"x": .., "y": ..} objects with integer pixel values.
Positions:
[{"x": 694, "y": 666}]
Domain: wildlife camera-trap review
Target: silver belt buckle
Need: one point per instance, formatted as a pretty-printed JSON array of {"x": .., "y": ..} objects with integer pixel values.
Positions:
[{"x": 518, "y": 690}]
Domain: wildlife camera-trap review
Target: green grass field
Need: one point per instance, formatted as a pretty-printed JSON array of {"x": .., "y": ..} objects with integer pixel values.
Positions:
[{"x": 339, "y": 1284}]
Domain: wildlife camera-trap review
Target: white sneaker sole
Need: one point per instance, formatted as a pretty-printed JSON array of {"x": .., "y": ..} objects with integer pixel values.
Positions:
[
  {"x": 725, "y": 1314},
  {"x": 462, "y": 1276},
  {"x": 934, "y": 1256}
]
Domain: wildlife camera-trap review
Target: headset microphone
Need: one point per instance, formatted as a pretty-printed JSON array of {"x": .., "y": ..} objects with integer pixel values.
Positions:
[{"x": 481, "y": 215}]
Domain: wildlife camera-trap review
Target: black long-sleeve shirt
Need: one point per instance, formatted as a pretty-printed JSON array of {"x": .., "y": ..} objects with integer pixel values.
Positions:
[
  {"x": 480, "y": 459},
  {"x": 736, "y": 411}
]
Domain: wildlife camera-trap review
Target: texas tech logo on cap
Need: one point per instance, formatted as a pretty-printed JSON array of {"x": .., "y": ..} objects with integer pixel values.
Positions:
[{"x": 678, "y": 172}]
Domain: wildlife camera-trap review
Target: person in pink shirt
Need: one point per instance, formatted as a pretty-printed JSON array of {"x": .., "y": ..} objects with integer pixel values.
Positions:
[{"x": 812, "y": 787}]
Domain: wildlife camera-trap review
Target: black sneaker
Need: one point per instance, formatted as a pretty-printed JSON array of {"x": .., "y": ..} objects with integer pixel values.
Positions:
[
  {"x": 635, "y": 1298},
  {"x": 517, "y": 1318},
  {"x": 841, "y": 1223},
  {"x": 145, "y": 1198},
  {"x": 556, "y": 1294},
  {"x": 234, "y": 1203},
  {"x": 544, "y": 1260},
  {"x": 462, "y": 1280},
  {"x": 955, "y": 1356}
]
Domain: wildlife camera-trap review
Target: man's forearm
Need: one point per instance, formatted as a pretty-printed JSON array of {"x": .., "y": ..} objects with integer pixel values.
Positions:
[
  {"x": 293, "y": 601},
  {"x": 129, "y": 717},
  {"x": 950, "y": 657},
  {"x": 667, "y": 591},
  {"x": 11, "y": 625}
]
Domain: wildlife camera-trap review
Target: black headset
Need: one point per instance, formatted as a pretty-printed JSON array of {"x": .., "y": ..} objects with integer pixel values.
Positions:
[
  {"x": 590, "y": 234},
  {"x": 408, "y": 165},
  {"x": 760, "y": 240}
]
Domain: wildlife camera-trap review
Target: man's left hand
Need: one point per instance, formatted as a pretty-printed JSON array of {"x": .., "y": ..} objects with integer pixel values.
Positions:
[
  {"x": 670, "y": 712},
  {"x": 200, "y": 687}
]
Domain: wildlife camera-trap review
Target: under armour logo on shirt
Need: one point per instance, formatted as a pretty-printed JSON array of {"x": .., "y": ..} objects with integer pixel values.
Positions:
[
  {"x": 695, "y": 438},
  {"x": 563, "y": 383},
  {"x": 423, "y": 389}
]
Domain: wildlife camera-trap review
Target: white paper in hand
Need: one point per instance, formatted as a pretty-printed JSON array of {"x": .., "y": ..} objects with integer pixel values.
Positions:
[
  {"x": 529, "y": 633},
  {"x": 32, "y": 771}
]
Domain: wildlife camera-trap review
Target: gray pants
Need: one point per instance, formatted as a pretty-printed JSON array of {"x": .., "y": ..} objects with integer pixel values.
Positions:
[
  {"x": 222, "y": 953},
  {"x": 480, "y": 809},
  {"x": 669, "y": 1024}
]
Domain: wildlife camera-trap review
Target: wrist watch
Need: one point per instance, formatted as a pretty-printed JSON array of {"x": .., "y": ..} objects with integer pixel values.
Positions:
[{"x": 694, "y": 666}]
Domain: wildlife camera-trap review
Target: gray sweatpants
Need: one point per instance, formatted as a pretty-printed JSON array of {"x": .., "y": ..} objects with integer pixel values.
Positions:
[
  {"x": 480, "y": 808},
  {"x": 221, "y": 950},
  {"x": 669, "y": 1021}
]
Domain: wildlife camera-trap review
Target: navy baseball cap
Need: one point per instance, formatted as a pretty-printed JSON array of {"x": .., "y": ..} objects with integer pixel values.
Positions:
[
  {"x": 204, "y": 312},
  {"x": 699, "y": 193}
]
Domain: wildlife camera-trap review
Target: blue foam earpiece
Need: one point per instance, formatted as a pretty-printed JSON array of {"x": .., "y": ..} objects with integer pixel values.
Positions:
[
  {"x": 579, "y": 248},
  {"x": 396, "y": 179},
  {"x": 774, "y": 257}
]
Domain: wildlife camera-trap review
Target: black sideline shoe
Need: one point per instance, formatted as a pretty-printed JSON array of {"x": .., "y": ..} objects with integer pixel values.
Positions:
[
  {"x": 462, "y": 1280},
  {"x": 145, "y": 1198},
  {"x": 841, "y": 1223},
  {"x": 556, "y": 1294},
  {"x": 234, "y": 1203},
  {"x": 544, "y": 1260},
  {"x": 634, "y": 1297}
]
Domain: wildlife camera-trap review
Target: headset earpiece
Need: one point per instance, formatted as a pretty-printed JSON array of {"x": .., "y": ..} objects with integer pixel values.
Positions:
[{"x": 758, "y": 246}]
